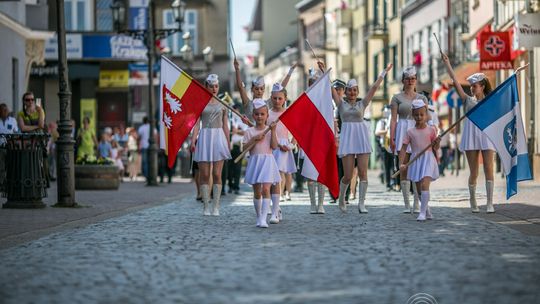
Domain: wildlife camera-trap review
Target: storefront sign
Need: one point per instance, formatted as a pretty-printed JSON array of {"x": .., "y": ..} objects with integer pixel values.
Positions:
[
  {"x": 113, "y": 78},
  {"x": 528, "y": 31},
  {"x": 138, "y": 74},
  {"x": 495, "y": 51},
  {"x": 74, "y": 47},
  {"x": 138, "y": 14},
  {"x": 117, "y": 46}
]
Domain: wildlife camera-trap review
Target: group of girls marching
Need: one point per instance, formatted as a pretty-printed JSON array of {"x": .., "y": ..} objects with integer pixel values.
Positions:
[{"x": 271, "y": 160}]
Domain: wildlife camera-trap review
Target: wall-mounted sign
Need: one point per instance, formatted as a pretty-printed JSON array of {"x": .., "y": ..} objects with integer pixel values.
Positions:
[
  {"x": 527, "y": 29},
  {"x": 113, "y": 78},
  {"x": 117, "y": 46},
  {"x": 495, "y": 51},
  {"x": 74, "y": 49},
  {"x": 138, "y": 14}
]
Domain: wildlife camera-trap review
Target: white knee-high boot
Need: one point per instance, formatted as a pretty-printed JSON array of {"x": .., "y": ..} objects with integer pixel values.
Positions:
[
  {"x": 342, "y": 191},
  {"x": 205, "y": 194},
  {"x": 264, "y": 211},
  {"x": 489, "y": 194},
  {"x": 362, "y": 197},
  {"x": 416, "y": 199},
  {"x": 405, "y": 190},
  {"x": 321, "y": 189},
  {"x": 257, "y": 203},
  {"x": 274, "y": 219},
  {"x": 311, "y": 190},
  {"x": 472, "y": 199},
  {"x": 424, "y": 200},
  {"x": 216, "y": 191}
]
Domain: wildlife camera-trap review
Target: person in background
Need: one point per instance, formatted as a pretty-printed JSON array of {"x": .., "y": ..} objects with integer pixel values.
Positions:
[
  {"x": 86, "y": 140},
  {"x": 238, "y": 129},
  {"x": 32, "y": 117},
  {"x": 8, "y": 125},
  {"x": 133, "y": 153},
  {"x": 144, "y": 135},
  {"x": 382, "y": 132},
  {"x": 51, "y": 150},
  {"x": 104, "y": 146},
  {"x": 116, "y": 155}
]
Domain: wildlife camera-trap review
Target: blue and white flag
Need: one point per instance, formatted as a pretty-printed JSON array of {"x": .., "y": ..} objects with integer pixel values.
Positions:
[{"x": 499, "y": 117}]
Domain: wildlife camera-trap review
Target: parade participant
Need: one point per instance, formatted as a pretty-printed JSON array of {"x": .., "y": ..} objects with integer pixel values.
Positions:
[
  {"x": 257, "y": 87},
  {"x": 235, "y": 169},
  {"x": 400, "y": 121},
  {"x": 316, "y": 200},
  {"x": 261, "y": 171},
  {"x": 354, "y": 140},
  {"x": 424, "y": 170},
  {"x": 339, "y": 86},
  {"x": 32, "y": 117},
  {"x": 283, "y": 153},
  {"x": 210, "y": 141},
  {"x": 473, "y": 141}
]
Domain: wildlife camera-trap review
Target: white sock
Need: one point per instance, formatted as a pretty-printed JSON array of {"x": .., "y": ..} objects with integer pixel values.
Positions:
[
  {"x": 275, "y": 204},
  {"x": 424, "y": 200},
  {"x": 264, "y": 211}
]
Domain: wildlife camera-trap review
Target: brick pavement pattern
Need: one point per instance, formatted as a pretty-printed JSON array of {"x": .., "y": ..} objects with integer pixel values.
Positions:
[{"x": 171, "y": 253}]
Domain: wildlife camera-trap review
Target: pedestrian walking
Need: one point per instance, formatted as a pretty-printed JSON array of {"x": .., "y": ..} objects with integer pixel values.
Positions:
[
  {"x": 354, "y": 142},
  {"x": 473, "y": 141},
  {"x": 133, "y": 154},
  {"x": 283, "y": 153},
  {"x": 400, "y": 121},
  {"x": 143, "y": 133},
  {"x": 210, "y": 143},
  {"x": 424, "y": 170},
  {"x": 262, "y": 171}
]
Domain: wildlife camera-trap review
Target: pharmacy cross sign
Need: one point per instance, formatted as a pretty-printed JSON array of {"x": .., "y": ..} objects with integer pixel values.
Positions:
[{"x": 494, "y": 46}]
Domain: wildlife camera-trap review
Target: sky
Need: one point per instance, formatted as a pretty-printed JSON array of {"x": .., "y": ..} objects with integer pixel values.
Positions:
[{"x": 242, "y": 11}]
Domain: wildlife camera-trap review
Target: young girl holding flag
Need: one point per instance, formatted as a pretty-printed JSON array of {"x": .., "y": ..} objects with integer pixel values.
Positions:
[
  {"x": 354, "y": 141},
  {"x": 283, "y": 153},
  {"x": 261, "y": 171},
  {"x": 425, "y": 168},
  {"x": 210, "y": 141}
]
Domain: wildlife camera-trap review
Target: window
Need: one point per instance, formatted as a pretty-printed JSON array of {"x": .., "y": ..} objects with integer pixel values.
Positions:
[
  {"x": 394, "y": 55},
  {"x": 175, "y": 42},
  {"x": 376, "y": 67},
  {"x": 394, "y": 8},
  {"x": 79, "y": 15},
  {"x": 104, "y": 20}
]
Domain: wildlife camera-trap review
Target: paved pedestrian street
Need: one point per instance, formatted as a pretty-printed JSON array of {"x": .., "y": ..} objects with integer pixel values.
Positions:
[{"x": 172, "y": 254}]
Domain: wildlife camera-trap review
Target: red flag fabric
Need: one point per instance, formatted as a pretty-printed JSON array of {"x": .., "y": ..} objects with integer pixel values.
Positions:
[
  {"x": 317, "y": 140},
  {"x": 182, "y": 102}
]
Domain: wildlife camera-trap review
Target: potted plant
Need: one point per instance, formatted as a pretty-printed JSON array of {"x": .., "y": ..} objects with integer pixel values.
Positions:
[{"x": 93, "y": 173}]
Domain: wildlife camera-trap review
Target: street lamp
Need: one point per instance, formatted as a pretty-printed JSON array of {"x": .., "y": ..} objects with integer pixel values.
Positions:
[
  {"x": 149, "y": 36},
  {"x": 208, "y": 54},
  {"x": 186, "y": 50}
]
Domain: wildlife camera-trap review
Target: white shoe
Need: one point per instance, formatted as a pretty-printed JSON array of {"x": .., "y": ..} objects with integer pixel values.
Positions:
[
  {"x": 472, "y": 199},
  {"x": 362, "y": 208},
  {"x": 342, "y": 206},
  {"x": 280, "y": 215},
  {"x": 274, "y": 220},
  {"x": 429, "y": 216},
  {"x": 313, "y": 209},
  {"x": 489, "y": 194},
  {"x": 409, "y": 210},
  {"x": 421, "y": 217},
  {"x": 490, "y": 208},
  {"x": 320, "y": 209},
  {"x": 287, "y": 196}
]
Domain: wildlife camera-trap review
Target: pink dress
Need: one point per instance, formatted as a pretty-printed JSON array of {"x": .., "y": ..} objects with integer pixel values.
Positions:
[
  {"x": 262, "y": 166},
  {"x": 285, "y": 160},
  {"x": 425, "y": 165}
]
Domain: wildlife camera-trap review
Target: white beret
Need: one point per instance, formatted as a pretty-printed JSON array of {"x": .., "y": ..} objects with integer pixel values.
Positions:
[
  {"x": 409, "y": 71},
  {"x": 476, "y": 77},
  {"x": 258, "y": 103},
  {"x": 418, "y": 103},
  {"x": 277, "y": 87},
  {"x": 352, "y": 83},
  {"x": 212, "y": 79},
  {"x": 258, "y": 82}
]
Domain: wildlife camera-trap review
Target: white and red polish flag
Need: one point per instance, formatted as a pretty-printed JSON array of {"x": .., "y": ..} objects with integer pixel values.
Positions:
[{"x": 310, "y": 120}]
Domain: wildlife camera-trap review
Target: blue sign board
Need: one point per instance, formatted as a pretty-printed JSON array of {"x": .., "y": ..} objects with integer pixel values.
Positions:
[
  {"x": 114, "y": 47},
  {"x": 453, "y": 98},
  {"x": 138, "y": 18}
]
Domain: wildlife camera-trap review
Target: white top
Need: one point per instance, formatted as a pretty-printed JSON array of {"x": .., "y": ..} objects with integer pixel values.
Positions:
[
  {"x": 144, "y": 135},
  {"x": 239, "y": 125},
  {"x": 9, "y": 126}
]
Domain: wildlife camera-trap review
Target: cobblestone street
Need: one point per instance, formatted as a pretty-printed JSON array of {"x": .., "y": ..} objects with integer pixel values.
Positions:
[{"x": 171, "y": 253}]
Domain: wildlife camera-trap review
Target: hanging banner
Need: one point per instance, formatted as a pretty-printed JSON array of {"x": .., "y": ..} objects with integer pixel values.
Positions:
[
  {"x": 528, "y": 31},
  {"x": 495, "y": 51}
]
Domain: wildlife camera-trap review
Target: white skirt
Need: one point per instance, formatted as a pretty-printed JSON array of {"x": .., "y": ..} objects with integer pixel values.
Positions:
[
  {"x": 473, "y": 138},
  {"x": 211, "y": 146},
  {"x": 285, "y": 160},
  {"x": 262, "y": 168},
  {"x": 401, "y": 130},
  {"x": 354, "y": 139},
  {"x": 425, "y": 165}
]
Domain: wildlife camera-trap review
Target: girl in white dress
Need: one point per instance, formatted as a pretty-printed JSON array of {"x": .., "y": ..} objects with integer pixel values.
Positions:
[
  {"x": 261, "y": 171},
  {"x": 473, "y": 141},
  {"x": 425, "y": 169},
  {"x": 210, "y": 140},
  {"x": 354, "y": 139},
  {"x": 400, "y": 121},
  {"x": 283, "y": 153}
]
